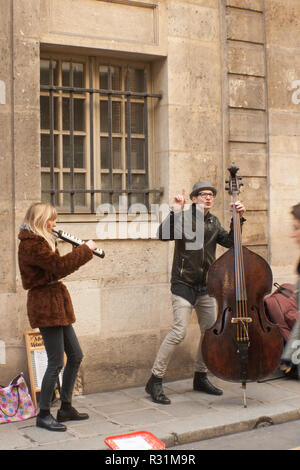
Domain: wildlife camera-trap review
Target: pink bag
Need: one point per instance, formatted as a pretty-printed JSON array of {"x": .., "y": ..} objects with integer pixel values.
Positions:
[{"x": 15, "y": 401}]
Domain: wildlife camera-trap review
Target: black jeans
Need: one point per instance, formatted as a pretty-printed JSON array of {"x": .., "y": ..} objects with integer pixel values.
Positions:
[{"x": 57, "y": 340}]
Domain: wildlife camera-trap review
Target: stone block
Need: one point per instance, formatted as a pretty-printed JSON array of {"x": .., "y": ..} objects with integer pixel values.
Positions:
[
  {"x": 27, "y": 142},
  {"x": 137, "y": 308},
  {"x": 159, "y": 72},
  {"x": 283, "y": 23},
  {"x": 27, "y": 19},
  {"x": 254, "y": 194},
  {"x": 247, "y": 92},
  {"x": 204, "y": 83},
  {"x": 193, "y": 21},
  {"x": 187, "y": 168},
  {"x": 161, "y": 124},
  {"x": 10, "y": 327},
  {"x": 13, "y": 307},
  {"x": 194, "y": 130},
  {"x": 255, "y": 229},
  {"x": 284, "y": 123},
  {"x": 193, "y": 82},
  {"x": 27, "y": 74},
  {"x": 118, "y": 362},
  {"x": 126, "y": 262},
  {"x": 284, "y": 274},
  {"x": 284, "y": 252},
  {"x": 251, "y": 158},
  {"x": 16, "y": 362},
  {"x": 5, "y": 20},
  {"x": 86, "y": 299},
  {"x": 7, "y": 265},
  {"x": 285, "y": 179},
  {"x": 126, "y": 361},
  {"x": 246, "y": 59},
  {"x": 247, "y": 126},
  {"x": 5, "y": 157},
  {"x": 139, "y": 21},
  {"x": 285, "y": 144},
  {"x": 130, "y": 27},
  {"x": 163, "y": 175},
  {"x": 283, "y": 78},
  {"x": 5, "y": 74},
  {"x": 179, "y": 70}
]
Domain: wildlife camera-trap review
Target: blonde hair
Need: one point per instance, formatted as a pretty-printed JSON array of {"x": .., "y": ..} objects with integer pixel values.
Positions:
[{"x": 37, "y": 217}]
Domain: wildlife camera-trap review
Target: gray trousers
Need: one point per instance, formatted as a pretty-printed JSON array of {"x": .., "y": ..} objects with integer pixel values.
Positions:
[{"x": 206, "y": 313}]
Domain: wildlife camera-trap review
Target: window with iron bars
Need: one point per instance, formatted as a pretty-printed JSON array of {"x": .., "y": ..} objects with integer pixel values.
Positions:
[{"x": 94, "y": 134}]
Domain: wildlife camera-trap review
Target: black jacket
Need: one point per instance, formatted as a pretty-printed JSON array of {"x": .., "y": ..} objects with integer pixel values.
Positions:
[{"x": 190, "y": 266}]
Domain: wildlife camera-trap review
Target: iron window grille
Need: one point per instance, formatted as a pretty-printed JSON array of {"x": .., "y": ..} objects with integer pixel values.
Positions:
[{"x": 94, "y": 140}]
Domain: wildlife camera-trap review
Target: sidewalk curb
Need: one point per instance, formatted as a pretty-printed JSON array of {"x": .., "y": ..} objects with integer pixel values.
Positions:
[{"x": 222, "y": 430}]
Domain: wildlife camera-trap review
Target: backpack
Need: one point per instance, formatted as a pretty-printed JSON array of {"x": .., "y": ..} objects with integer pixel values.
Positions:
[{"x": 281, "y": 308}]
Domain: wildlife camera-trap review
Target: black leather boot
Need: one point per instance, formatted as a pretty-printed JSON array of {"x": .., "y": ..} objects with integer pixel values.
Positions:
[
  {"x": 202, "y": 384},
  {"x": 50, "y": 423},
  {"x": 155, "y": 389}
]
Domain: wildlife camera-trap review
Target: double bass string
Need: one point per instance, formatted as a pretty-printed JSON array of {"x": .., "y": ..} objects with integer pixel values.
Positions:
[
  {"x": 236, "y": 270},
  {"x": 242, "y": 283}
]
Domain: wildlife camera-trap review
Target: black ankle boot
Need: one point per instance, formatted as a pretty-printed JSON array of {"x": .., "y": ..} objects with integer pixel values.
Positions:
[
  {"x": 202, "y": 384},
  {"x": 155, "y": 389},
  {"x": 50, "y": 423}
]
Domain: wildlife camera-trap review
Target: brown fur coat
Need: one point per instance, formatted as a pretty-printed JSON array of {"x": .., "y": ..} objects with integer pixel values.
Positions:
[{"x": 48, "y": 305}]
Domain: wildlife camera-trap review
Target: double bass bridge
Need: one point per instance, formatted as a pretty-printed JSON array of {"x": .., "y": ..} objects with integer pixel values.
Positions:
[{"x": 242, "y": 327}]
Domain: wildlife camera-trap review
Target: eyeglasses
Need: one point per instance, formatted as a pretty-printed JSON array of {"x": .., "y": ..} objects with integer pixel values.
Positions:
[{"x": 206, "y": 195}]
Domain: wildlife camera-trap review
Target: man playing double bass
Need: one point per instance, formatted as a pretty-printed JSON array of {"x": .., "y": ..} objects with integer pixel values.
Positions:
[{"x": 188, "y": 283}]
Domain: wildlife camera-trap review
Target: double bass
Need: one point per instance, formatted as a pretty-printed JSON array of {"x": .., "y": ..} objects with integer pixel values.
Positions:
[{"x": 243, "y": 345}]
